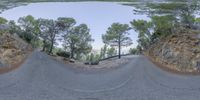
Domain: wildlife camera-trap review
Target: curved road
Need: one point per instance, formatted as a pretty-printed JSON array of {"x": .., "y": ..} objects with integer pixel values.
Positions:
[{"x": 41, "y": 78}]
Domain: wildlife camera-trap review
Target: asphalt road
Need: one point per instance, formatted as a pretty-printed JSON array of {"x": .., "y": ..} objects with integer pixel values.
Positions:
[{"x": 41, "y": 78}]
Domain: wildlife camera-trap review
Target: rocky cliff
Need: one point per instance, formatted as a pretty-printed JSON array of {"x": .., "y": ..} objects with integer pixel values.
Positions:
[
  {"x": 179, "y": 51},
  {"x": 12, "y": 49}
]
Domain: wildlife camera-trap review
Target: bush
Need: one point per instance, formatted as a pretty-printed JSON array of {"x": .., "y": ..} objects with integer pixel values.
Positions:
[
  {"x": 134, "y": 51},
  {"x": 92, "y": 59},
  {"x": 63, "y": 54}
]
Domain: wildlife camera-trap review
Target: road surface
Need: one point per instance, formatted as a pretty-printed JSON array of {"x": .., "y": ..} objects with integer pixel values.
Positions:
[{"x": 41, "y": 78}]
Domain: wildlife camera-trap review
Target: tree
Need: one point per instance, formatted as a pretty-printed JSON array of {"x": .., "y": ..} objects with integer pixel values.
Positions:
[
  {"x": 78, "y": 40},
  {"x": 93, "y": 58},
  {"x": 143, "y": 28},
  {"x": 111, "y": 52},
  {"x": 117, "y": 35},
  {"x": 133, "y": 51},
  {"x": 3, "y": 25},
  {"x": 66, "y": 25},
  {"x": 187, "y": 13},
  {"x": 30, "y": 29},
  {"x": 152, "y": 31},
  {"x": 53, "y": 30},
  {"x": 164, "y": 25},
  {"x": 50, "y": 30},
  {"x": 103, "y": 52},
  {"x": 3, "y": 20},
  {"x": 13, "y": 27},
  {"x": 184, "y": 11},
  {"x": 44, "y": 32}
]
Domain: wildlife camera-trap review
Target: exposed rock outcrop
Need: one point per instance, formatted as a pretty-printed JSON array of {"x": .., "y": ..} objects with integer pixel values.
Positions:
[{"x": 179, "y": 51}]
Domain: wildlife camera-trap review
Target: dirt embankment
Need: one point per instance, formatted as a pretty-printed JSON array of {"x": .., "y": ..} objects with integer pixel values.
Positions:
[
  {"x": 13, "y": 52},
  {"x": 178, "y": 52}
]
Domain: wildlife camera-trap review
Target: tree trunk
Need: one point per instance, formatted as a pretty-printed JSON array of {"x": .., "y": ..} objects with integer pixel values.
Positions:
[
  {"x": 51, "y": 48},
  {"x": 119, "y": 48},
  {"x": 72, "y": 51},
  {"x": 44, "y": 45}
]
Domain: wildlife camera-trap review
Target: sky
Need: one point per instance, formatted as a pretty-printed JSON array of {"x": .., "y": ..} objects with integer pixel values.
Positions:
[{"x": 97, "y": 15}]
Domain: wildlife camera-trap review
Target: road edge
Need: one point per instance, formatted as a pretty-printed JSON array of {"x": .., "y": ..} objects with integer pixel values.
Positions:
[
  {"x": 165, "y": 68},
  {"x": 12, "y": 67}
]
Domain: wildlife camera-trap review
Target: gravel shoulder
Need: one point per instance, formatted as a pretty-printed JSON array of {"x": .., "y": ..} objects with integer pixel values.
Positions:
[{"x": 106, "y": 64}]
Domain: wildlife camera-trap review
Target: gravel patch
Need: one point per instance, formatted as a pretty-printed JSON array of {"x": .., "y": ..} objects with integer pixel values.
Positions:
[
  {"x": 110, "y": 63},
  {"x": 106, "y": 64}
]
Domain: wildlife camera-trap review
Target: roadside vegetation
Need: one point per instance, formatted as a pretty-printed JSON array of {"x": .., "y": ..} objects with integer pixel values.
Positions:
[
  {"x": 171, "y": 36},
  {"x": 166, "y": 19},
  {"x": 63, "y": 37}
]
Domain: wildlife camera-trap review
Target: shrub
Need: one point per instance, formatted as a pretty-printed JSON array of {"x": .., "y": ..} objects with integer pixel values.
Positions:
[
  {"x": 133, "y": 51},
  {"x": 63, "y": 54},
  {"x": 92, "y": 59}
]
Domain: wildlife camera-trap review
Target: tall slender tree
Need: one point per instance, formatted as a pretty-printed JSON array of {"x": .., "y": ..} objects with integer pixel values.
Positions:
[
  {"x": 111, "y": 52},
  {"x": 78, "y": 40},
  {"x": 30, "y": 29},
  {"x": 50, "y": 30},
  {"x": 117, "y": 35},
  {"x": 143, "y": 28}
]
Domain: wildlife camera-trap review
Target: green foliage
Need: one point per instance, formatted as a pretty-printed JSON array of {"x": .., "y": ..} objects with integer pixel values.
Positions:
[
  {"x": 134, "y": 51},
  {"x": 163, "y": 25},
  {"x": 170, "y": 16},
  {"x": 29, "y": 29},
  {"x": 63, "y": 54},
  {"x": 117, "y": 35},
  {"x": 14, "y": 28},
  {"x": 78, "y": 40},
  {"x": 3, "y": 25},
  {"x": 174, "y": 6},
  {"x": 66, "y": 24},
  {"x": 111, "y": 52},
  {"x": 143, "y": 28},
  {"x": 197, "y": 20},
  {"x": 93, "y": 58},
  {"x": 184, "y": 11},
  {"x": 49, "y": 31},
  {"x": 103, "y": 51},
  {"x": 3, "y": 20},
  {"x": 45, "y": 33},
  {"x": 150, "y": 32}
]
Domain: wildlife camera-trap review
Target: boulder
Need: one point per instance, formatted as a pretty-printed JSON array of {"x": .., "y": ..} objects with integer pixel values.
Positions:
[{"x": 72, "y": 60}]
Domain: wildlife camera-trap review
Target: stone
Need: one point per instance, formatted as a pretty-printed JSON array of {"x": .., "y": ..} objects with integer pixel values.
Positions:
[{"x": 72, "y": 60}]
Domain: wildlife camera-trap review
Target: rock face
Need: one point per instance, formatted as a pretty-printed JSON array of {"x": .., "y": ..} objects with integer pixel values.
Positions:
[
  {"x": 12, "y": 49},
  {"x": 180, "y": 51}
]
